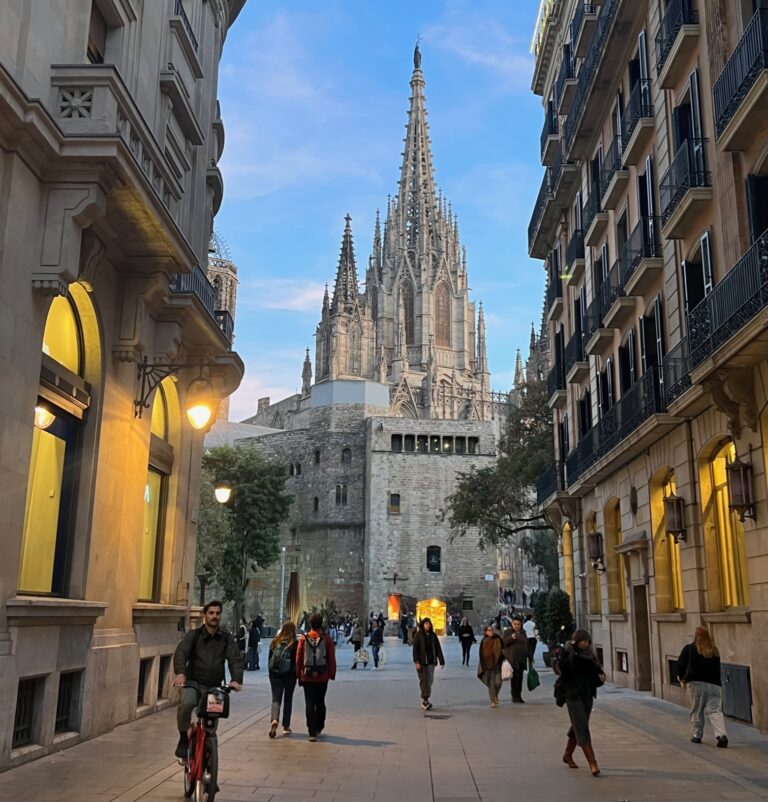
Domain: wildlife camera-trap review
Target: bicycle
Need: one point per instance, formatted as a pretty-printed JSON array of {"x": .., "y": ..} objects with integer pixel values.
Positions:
[{"x": 201, "y": 765}]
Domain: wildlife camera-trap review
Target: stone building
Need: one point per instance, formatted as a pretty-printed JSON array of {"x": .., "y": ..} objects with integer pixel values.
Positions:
[
  {"x": 652, "y": 219},
  {"x": 222, "y": 273},
  {"x": 109, "y": 140},
  {"x": 400, "y": 404}
]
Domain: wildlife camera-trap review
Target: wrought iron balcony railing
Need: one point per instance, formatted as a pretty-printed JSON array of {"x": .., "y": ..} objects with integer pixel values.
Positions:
[
  {"x": 551, "y": 128},
  {"x": 642, "y": 243},
  {"x": 591, "y": 208},
  {"x": 574, "y": 351},
  {"x": 638, "y": 107},
  {"x": 555, "y": 379},
  {"x": 611, "y": 164},
  {"x": 742, "y": 69},
  {"x": 575, "y": 249},
  {"x": 196, "y": 283},
  {"x": 612, "y": 288},
  {"x": 593, "y": 318},
  {"x": 554, "y": 290},
  {"x": 226, "y": 324},
  {"x": 178, "y": 10},
  {"x": 565, "y": 74},
  {"x": 582, "y": 8},
  {"x": 687, "y": 171},
  {"x": 544, "y": 195},
  {"x": 676, "y": 372},
  {"x": 677, "y": 14},
  {"x": 550, "y": 482},
  {"x": 733, "y": 302}
]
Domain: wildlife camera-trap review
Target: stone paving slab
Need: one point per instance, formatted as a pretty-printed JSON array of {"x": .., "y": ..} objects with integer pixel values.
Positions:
[{"x": 379, "y": 746}]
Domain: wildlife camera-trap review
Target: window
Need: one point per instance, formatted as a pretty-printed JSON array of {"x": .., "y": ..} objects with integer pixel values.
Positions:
[
  {"x": 467, "y": 603},
  {"x": 652, "y": 347},
  {"x": 433, "y": 559},
  {"x": 406, "y": 296},
  {"x": 422, "y": 443},
  {"x": 397, "y": 443},
  {"x": 595, "y": 593},
  {"x": 97, "y": 36},
  {"x": 410, "y": 442},
  {"x": 394, "y": 503},
  {"x": 447, "y": 445},
  {"x": 674, "y": 570},
  {"x": 145, "y": 667},
  {"x": 341, "y": 495},
  {"x": 474, "y": 445},
  {"x": 627, "y": 362},
  {"x": 442, "y": 316},
  {"x": 317, "y": 456},
  {"x": 584, "y": 409},
  {"x": 605, "y": 386},
  {"x": 614, "y": 563},
  {"x": 353, "y": 353},
  {"x": 315, "y": 504},
  {"x": 666, "y": 552},
  {"x": 622, "y": 661},
  {"x": 346, "y": 457},
  {"x": 434, "y": 444},
  {"x": 291, "y": 469},
  {"x": 28, "y": 697},
  {"x": 697, "y": 274},
  {"x": 298, "y": 469},
  {"x": 460, "y": 444},
  {"x": 68, "y": 702}
]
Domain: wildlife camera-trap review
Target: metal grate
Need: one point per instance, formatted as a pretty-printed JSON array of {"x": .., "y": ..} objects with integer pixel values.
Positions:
[
  {"x": 23, "y": 723},
  {"x": 162, "y": 674},
  {"x": 144, "y": 668},
  {"x": 67, "y": 701}
]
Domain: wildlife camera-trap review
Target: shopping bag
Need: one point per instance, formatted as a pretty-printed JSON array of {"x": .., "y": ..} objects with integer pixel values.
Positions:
[
  {"x": 506, "y": 671},
  {"x": 361, "y": 656},
  {"x": 382, "y": 656},
  {"x": 533, "y": 679}
]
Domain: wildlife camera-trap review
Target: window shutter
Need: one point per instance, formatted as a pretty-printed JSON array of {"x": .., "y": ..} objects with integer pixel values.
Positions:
[
  {"x": 609, "y": 381},
  {"x": 658, "y": 314},
  {"x": 643, "y": 345},
  {"x": 618, "y": 113},
  {"x": 684, "y": 268},
  {"x": 706, "y": 261},
  {"x": 604, "y": 258},
  {"x": 577, "y": 211},
  {"x": 588, "y": 405},
  {"x": 632, "y": 357},
  {"x": 649, "y": 189}
]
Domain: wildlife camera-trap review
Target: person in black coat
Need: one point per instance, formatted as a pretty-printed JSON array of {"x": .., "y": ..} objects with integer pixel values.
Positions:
[
  {"x": 466, "y": 638},
  {"x": 427, "y": 653},
  {"x": 580, "y": 677}
]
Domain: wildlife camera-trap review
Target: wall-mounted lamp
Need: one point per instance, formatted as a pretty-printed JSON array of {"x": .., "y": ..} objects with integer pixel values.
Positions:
[
  {"x": 674, "y": 517},
  {"x": 742, "y": 500},
  {"x": 43, "y": 417},
  {"x": 595, "y": 548},
  {"x": 223, "y": 491}
]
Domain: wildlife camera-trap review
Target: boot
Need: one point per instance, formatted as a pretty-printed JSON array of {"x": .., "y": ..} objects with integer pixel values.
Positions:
[
  {"x": 589, "y": 753},
  {"x": 570, "y": 747}
]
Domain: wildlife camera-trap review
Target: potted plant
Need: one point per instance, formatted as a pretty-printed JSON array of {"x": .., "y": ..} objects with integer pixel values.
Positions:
[{"x": 554, "y": 620}]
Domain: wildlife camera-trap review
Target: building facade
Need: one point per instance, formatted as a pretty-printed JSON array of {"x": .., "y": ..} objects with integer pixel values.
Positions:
[
  {"x": 109, "y": 139},
  {"x": 652, "y": 221},
  {"x": 401, "y": 403},
  {"x": 222, "y": 273}
]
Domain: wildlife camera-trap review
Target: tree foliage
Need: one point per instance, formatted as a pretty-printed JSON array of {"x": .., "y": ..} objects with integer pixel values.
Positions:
[
  {"x": 242, "y": 535},
  {"x": 541, "y": 551},
  {"x": 553, "y": 616},
  {"x": 500, "y": 500}
]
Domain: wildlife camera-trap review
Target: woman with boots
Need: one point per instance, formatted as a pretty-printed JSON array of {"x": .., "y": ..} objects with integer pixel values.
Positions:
[
  {"x": 466, "y": 638},
  {"x": 580, "y": 676},
  {"x": 489, "y": 663}
]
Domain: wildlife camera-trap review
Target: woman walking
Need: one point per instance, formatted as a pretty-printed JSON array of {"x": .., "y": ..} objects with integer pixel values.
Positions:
[
  {"x": 427, "y": 653},
  {"x": 489, "y": 663},
  {"x": 376, "y": 641},
  {"x": 516, "y": 652},
  {"x": 698, "y": 669},
  {"x": 466, "y": 638},
  {"x": 282, "y": 675},
  {"x": 580, "y": 677},
  {"x": 356, "y": 639}
]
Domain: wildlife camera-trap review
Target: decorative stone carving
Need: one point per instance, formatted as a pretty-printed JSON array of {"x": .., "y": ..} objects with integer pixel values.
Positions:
[
  {"x": 733, "y": 393},
  {"x": 75, "y": 102}
]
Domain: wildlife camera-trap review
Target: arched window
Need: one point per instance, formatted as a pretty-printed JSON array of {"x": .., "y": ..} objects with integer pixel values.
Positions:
[
  {"x": 394, "y": 503},
  {"x": 666, "y": 552},
  {"x": 442, "y": 316},
  {"x": 433, "y": 559},
  {"x": 614, "y": 562},
  {"x": 346, "y": 457},
  {"x": 568, "y": 580},
  {"x": 341, "y": 495},
  {"x": 406, "y": 295},
  {"x": 353, "y": 353}
]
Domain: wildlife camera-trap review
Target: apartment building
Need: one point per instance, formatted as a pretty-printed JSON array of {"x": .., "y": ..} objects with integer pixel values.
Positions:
[
  {"x": 114, "y": 352},
  {"x": 652, "y": 221}
]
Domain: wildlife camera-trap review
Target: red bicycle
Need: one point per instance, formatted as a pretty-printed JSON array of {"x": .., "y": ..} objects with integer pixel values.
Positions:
[{"x": 201, "y": 766}]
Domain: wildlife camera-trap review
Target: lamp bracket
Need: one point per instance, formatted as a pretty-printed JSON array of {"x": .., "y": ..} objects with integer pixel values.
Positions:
[{"x": 150, "y": 374}]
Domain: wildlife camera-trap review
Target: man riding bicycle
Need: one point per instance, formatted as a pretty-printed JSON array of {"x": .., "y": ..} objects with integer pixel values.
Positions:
[{"x": 200, "y": 658}]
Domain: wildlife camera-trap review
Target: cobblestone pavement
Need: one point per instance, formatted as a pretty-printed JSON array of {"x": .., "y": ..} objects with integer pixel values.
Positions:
[{"x": 379, "y": 745}]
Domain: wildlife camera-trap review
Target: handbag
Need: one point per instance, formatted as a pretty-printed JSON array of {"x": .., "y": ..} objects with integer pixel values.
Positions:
[
  {"x": 533, "y": 679},
  {"x": 506, "y": 671},
  {"x": 361, "y": 656},
  {"x": 382, "y": 656}
]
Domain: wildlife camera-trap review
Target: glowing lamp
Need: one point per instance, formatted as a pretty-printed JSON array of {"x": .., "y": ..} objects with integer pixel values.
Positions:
[
  {"x": 222, "y": 491},
  {"x": 43, "y": 417},
  {"x": 742, "y": 501},
  {"x": 199, "y": 411},
  {"x": 674, "y": 517}
]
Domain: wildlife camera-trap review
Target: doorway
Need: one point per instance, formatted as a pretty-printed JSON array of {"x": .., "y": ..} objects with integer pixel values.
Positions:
[{"x": 642, "y": 637}]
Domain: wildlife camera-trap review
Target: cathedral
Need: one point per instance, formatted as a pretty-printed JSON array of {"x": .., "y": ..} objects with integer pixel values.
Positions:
[{"x": 399, "y": 406}]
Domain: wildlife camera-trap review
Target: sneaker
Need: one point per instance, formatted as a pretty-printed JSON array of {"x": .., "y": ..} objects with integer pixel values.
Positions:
[
  {"x": 429, "y": 705},
  {"x": 182, "y": 746},
  {"x": 695, "y": 740},
  {"x": 493, "y": 704},
  {"x": 722, "y": 741},
  {"x": 424, "y": 704},
  {"x": 273, "y": 730},
  {"x": 287, "y": 730},
  {"x": 312, "y": 737}
]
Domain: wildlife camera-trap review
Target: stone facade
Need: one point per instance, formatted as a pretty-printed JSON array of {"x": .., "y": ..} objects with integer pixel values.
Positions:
[
  {"x": 109, "y": 139},
  {"x": 652, "y": 221}
]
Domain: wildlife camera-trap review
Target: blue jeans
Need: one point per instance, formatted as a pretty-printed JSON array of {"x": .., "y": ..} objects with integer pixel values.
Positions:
[
  {"x": 282, "y": 692},
  {"x": 375, "y": 649}
]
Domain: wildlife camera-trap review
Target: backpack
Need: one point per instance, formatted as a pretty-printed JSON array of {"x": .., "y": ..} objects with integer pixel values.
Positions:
[
  {"x": 280, "y": 659},
  {"x": 315, "y": 656}
]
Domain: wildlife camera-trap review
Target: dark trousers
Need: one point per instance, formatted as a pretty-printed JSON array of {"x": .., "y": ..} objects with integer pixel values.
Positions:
[
  {"x": 466, "y": 645},
  {"x": 314, "y": 702},
  {"x": 375, "y": 649},
  {"x": 518, "y": 672},
  {"x": 579, "y": 711},
  {"x": 282, "y": 693},
  {"x": 531, "y": 644},
  {"x": 252, "y": 661}
]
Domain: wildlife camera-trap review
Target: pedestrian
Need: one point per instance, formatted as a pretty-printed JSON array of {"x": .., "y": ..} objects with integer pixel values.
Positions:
[
  {"x": 254, "y": 638},
  {"x": 282, "y": 675},
  {"x": 516, "y": 654},
  {"x": 316, "y": 665},
  {"x": 532, "y": 637},
  {"x": 466, "y": 638},
  {"x": 698, "y": 669},
  {"x": 489, "y": 663},
  {"x": 427, "y": 653},
  {"x": 242, "y": 638},
  {"x": 580, "y": 677},
  {"x": 356, "y": 639},
  {"x": 404, "y": 626},
  {"x": 376, "y": 641}
]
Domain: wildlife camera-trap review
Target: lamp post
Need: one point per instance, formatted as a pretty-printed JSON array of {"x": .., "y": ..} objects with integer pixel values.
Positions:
[{"x": 282, "y": 583}]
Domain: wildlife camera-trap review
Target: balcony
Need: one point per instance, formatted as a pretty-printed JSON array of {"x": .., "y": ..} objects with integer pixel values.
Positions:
[
  {"x": 597, "y": 336},
  {"x": 556, "y": 387},
  {"x": 734, "y": 307},
  {"x": 641, "y": 257},
  {"x": 547, "y": 28},
  {"x": 195, "y": 286},
  {"x": 540, "y": 230},
  {"x": 554, "y": 298},
  {"x": 613, "y": 177},
  {"x": 676, "y": 41},
  {"x": 685, "y": 190},
  {"x": 564, "y": 177},
  {"x": 576, "y": 362},
  {"x": 681, "y": 395},
  {"x": 638, "y": 123},
  {"x": 549, "y": 483},
  {"x": 741, "y": 92},
  {"x": 574, "y": 258},
  {"x": 583, "y": 28},
  {"x": 565, "y": 85},
  {"x": 550, "y": 138},
  {"x": 594, "y": 219},
  {"x": 617, "y": 305}
]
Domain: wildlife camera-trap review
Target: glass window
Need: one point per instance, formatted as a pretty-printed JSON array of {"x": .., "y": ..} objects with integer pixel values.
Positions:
[
  {"x": 422, "y": 443},
  {"x": 317, "y": 456},
  {"x": 410, "y": 442},
  {"x": 154, "y": 490},
  {"x": 442, "y": 316},
  {"x": 434, "y": 444},
  {"x": 474, "y": 445},
  {"x": 397, "y": 443},
  {"x": 673, "y": 558},
  {"x": 394, "y": 503},
  {"x": 341, "y": 495},
  {"x": 159, "y": 424},
  {"x": 408, "y": 311},
  {"x": 447, "y": 445},
  {"x": 433, "y": 559},
  {"x": 461, "y": 445},
  {"x": 315, "y": 504},
  {"x": 61, "y": 337}
]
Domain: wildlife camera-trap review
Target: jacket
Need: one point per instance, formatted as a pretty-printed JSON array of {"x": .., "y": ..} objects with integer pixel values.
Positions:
[
  {"x": 357, "y": 635},
  {"x": 208, "y": 653},
  {"x": 466, "y": 634},
  {"x": 421, "y": 641},
  {"x": 330, "y": 653},
  {"x": 254, "y": 636},
  {"x": 579, "y": 673},
  {"x": 377, "y": 637},
  {"x": 694, "y": 667},
  {"x": 292, "y": 670},
  {"x": 482, "y": 666},
  {"x": 515, "y": 649}
]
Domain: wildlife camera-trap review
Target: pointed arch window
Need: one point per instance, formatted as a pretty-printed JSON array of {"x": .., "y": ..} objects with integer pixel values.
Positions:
[
  {"x": 442, "y": 316},
  {"x": 354, "y": 356},
  {"x": 406, "y": 293}
]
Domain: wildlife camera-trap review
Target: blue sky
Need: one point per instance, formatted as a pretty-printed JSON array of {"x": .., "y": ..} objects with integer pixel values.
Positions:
[{"x": 314, "y": 98}]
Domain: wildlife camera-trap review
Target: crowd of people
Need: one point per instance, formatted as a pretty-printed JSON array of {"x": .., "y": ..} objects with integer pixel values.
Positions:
[{"x": 306, "y": 656}]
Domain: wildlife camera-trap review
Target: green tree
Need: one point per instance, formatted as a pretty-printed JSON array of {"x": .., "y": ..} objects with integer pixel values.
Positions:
[
  {"x": 500, "y": 501},
  {"x": 243, "y": 534},
  {"x": 541, "y": 551}
]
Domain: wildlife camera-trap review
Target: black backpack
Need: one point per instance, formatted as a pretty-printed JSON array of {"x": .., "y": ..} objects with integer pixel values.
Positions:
[{"x": 315, "y": 656}]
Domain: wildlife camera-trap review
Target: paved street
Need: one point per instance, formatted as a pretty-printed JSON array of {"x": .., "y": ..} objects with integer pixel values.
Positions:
[{"x": 379, "y": 745}]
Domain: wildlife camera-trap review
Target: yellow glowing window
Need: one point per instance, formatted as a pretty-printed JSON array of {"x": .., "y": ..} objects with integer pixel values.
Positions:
[
  {"x": 61, "y": 338},
  {"x": 729, "y": 533},
  {"x": 153, "y": 504},
  {"x": 159, "y": 425},
  {"x": 673, "y": 558},
  {"x": 595, "y": 593},
  {"x": 41, "y": 519}
]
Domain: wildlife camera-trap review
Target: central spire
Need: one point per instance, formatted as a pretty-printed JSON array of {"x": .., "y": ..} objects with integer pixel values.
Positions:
[
  {"x": 345, "y": 292},
  {"x": 417, "y": 198}
]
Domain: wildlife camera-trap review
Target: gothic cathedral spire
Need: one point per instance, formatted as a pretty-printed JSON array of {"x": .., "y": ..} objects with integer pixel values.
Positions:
[{"x": 345, "y": 293}]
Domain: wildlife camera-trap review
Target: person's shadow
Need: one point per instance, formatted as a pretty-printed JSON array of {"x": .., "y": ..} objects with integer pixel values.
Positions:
[{"x": 340, "y": 739}]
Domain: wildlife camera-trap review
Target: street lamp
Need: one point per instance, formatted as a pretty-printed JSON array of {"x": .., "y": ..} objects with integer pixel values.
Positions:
[
  {"x": 282, "y": 583},
  {"x": 742, "y": 500},
  {"x": 223, "y": 491},
  {"x": 43, "y": 417},
  {"x": 674, "y": 517}
]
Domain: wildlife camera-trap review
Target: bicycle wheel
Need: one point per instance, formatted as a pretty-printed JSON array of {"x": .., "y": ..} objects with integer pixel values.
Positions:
[
  {"x": 205, "y": 789},
  {"x": 189, "y": 783}
]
